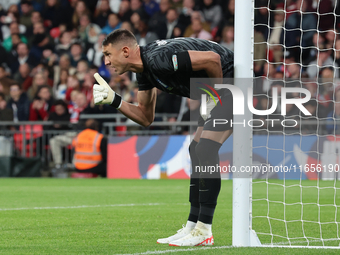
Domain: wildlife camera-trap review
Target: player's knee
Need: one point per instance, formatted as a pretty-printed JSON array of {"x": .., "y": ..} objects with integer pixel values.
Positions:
[
  {"x": 192, "y": 150},
  {"x": 207, "y": 150}
]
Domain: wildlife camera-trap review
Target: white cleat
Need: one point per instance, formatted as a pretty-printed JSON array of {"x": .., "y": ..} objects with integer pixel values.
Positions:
[
  {"x": 196, "y": 237},
  {"x": 180, "y": 233}
]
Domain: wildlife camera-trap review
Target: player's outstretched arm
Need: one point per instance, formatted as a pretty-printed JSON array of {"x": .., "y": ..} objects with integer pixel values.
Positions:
[
  {"x": 143, "y": 113},
  {"x": 208, "y": 61}
]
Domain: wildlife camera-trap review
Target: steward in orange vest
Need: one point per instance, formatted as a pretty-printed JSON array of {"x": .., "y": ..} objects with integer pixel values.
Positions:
[{"x": 90, "y": 149}]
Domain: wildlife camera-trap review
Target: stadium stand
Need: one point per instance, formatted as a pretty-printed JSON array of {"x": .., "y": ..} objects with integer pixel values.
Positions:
[{"x": 51, "y": 49}]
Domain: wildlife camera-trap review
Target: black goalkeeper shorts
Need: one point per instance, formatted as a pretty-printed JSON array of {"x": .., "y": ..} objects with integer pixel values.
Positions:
[{"x": 220, "y": 117}]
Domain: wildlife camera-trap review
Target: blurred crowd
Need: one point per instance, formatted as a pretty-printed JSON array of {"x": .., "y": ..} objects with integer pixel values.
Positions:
[{"x": 50, "y": 50}]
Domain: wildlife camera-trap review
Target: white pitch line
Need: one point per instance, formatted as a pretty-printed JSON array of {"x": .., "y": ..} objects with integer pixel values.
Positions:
[
  {"x": 228, "y": 247},
  {"x": 178, "y": 250},
  {"x": 85, "y": 206}
]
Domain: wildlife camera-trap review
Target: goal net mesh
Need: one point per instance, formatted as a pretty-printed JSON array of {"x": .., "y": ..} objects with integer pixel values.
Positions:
[{"x": 296, "y": 196}]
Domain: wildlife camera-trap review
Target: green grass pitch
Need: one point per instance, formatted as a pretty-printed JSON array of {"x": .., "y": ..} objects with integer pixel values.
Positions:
[{"x": 101, "y": 216}]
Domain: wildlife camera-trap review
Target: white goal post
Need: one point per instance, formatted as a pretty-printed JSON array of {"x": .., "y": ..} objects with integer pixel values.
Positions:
[
  {"x": 310, "y": 218},
  {"x": 242, "y": 232}
]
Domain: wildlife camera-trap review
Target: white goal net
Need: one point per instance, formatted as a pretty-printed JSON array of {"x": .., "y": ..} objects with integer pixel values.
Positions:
[{"x": 296, "y": 197}]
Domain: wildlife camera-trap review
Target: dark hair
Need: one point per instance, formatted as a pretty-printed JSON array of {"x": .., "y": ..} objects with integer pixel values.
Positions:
[
  {"x": 2, "y": 95},
  {"x": 62, "y": 103},
  {"x": 172, "y": 9},
  {"x": 78, "y": 44},
  {"x": 26, "y": 2},
  {"x": 40, "y": 88},
  {"x": 327, "y": 68},
  {"x": 119, "y": 35},
  {"x": 93, "y": 66},
  {"x": 92, "y": 124}
]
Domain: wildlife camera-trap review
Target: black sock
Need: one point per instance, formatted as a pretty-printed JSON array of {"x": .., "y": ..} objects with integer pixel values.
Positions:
[
  {"x": 193, "y": 215},
  {"x": 209, "y": 183},
  {"x": 194, "y": 184},
  {"x": 208, "y": 199}
]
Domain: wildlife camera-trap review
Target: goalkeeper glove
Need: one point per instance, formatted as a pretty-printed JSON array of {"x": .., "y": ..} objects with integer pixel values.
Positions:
[{"x": 103, "y": 94}]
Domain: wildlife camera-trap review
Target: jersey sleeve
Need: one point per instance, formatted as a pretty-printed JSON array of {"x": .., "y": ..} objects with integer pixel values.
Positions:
[
  {"x": 143, "y": 83},
  {"x": 170, "y": 62}
]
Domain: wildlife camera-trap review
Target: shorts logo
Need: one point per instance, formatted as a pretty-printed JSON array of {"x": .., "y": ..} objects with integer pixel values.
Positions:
[
  {"x": 213, "y": 90},
  {"x": 174, "y": 61}
]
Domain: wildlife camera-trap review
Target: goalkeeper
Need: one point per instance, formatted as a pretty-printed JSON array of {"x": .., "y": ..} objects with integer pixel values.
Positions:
[{"x": 168, "y": 65}]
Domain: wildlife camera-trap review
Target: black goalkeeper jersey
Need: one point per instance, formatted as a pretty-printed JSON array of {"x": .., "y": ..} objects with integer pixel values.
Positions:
[{"x": 161, "y": 64}]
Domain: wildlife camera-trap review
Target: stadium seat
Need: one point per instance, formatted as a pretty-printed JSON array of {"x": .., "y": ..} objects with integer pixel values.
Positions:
[
  {"x": 122, "y": 130},
  {"x": 30, "y": 133}
]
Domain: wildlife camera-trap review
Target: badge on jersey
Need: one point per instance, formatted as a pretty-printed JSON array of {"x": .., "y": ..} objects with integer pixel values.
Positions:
[
  {"x": 175, "y": 62},
  {"x": 161, "y": 42}
]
